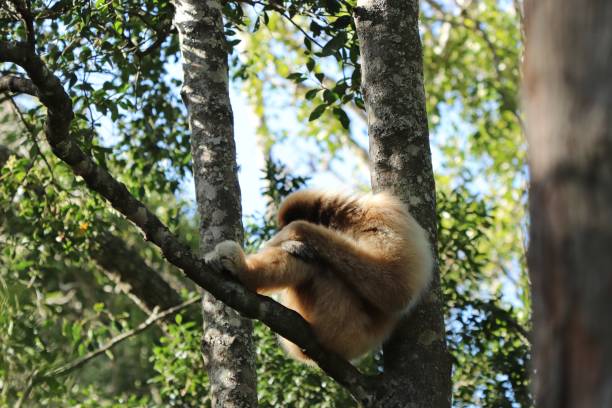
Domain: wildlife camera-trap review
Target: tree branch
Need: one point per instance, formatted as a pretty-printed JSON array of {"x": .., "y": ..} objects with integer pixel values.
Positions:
[
  {"x": 124, "y": 265},
  {"x": 153, "y": 318},
  {"x": 280, "y": 319},
  {"x": 16, "y": 84},
  {"x": 24, "y": 8},
  {"x": 119, "y": 262},
  {"x": 58, "y": 9},
  {"x": 37, "y": 377}
]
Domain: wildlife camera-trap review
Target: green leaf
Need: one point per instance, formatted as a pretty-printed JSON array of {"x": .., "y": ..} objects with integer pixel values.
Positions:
[
  {"x": 334, "y": 44},
  {"x": 342, "y": 117},
  {"x": 118, "y": 26},
  {"x": 23, "y": 265},
  {"x": 76, "y": 332},
  {"x": 310, "y": 64},
  {"x": 329, "y": 96},
  {"x": 311, "y": 94},
  {"x": 296, "y": 77},
  {"x": 342, "y": 21},
  {"x": 317, "y": 112}
]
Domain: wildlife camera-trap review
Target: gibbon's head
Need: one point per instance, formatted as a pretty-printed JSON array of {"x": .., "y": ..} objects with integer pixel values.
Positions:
[
  {"x": 334, "y": 209},
  {"x": 301, "y": 205}
]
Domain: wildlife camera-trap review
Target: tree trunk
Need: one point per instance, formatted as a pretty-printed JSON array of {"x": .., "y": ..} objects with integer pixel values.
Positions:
[
  {"x": 227, "y": 344},
  {"x": 416, "y": 362},
  {"x": 568, "y": 101}
]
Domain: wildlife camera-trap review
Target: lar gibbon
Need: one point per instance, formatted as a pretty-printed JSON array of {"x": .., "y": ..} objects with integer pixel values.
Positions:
[{"x": 351, "y": 265}]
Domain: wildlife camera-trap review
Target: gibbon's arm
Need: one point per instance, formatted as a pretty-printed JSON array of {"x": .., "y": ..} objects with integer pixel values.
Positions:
[
  {"x": 369, "y": 271},
  {"x": 270, "y": 269}
]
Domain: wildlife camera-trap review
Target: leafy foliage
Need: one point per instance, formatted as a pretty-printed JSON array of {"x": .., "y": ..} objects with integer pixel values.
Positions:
[{"x": 487, "y": 339}]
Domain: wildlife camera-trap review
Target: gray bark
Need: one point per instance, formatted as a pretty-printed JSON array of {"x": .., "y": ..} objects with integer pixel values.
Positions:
[
  {"x": 416, "y": 362},
  {"x": 227, "y": 344},
  {"x": 568, "y": 101}
]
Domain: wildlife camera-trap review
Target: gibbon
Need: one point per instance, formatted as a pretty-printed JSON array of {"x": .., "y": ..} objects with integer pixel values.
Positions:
[{"x": 350, "y": 265}]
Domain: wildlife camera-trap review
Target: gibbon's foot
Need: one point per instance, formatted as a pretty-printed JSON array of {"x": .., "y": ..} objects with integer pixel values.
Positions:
[{"x": 228, "y": 256}]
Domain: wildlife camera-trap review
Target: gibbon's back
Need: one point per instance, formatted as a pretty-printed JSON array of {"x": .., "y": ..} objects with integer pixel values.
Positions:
[{"x": 342, "y": 211}]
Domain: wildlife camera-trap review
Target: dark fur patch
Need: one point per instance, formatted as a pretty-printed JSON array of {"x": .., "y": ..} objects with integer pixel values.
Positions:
[
  {"x": 299, "y": 209},
  {"x": 333, "y": 212}
]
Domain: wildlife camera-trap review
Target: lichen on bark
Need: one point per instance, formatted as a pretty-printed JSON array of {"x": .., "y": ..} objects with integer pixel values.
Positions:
[
  {"x": 416, "y": 362},
  {"x": 227, "y": 343}
]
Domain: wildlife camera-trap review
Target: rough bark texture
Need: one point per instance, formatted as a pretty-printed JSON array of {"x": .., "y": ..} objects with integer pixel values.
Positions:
[
  {"x": 15, "y": 84},
  {"x": 568, "y": 101},
  {"x": 416, "y": 362},
  {"x": 227, "y": 344}
]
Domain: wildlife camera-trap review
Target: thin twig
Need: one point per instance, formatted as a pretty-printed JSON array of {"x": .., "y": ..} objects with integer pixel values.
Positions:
[
  {"x": 37, "y": 378},
  {"x": 24, "y": 8},
  {"x": 153, "y": 318},
  {"x": 33, "y": 137},
  {"x": 461, "y": 21}
]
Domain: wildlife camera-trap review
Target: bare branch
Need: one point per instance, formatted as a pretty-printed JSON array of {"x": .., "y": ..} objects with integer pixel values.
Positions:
[
  {"x": 16, "y": 84},
  {"x": 280, "y": 319},
  {"x": 119, "y": 262},
  {"x": 55, "y": 11},
  {"x": 462, "y": 20},
  {"x": 37, "y": 377},
  {"x": 125, "y": 266},
  {"x": 153, "y": 318},
  {"x": 24, "y": 8}
]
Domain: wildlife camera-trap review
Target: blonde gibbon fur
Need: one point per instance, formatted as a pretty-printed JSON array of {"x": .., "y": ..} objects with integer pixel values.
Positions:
[{"x": 351, "y": 265}]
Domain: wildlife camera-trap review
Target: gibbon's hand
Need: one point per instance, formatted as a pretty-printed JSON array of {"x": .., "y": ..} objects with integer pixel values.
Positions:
[
  {"x": 290, "y": 239},
  {"x": 299, "y": 250},
  {"x": 227, "y": 256},
  {"x": 290, "y": 232}
]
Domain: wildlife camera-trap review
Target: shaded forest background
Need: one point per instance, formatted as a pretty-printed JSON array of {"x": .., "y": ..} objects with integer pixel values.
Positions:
[{"x": 64, "y": 255}]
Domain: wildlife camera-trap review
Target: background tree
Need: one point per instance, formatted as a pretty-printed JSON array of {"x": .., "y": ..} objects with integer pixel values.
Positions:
[
  {"x": 294, "y": 60},
  {"x": 227, "y": 343},
  {"x": 568, "y": 100},
  {"x": 415, "y": 357}
]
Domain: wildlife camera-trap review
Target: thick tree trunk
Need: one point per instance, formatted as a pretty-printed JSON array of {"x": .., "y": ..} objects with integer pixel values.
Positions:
[
  {"x": 568, "y": 101},
  {"x": 416, "y": 362},
  {"x": 227, "y": 343}
]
